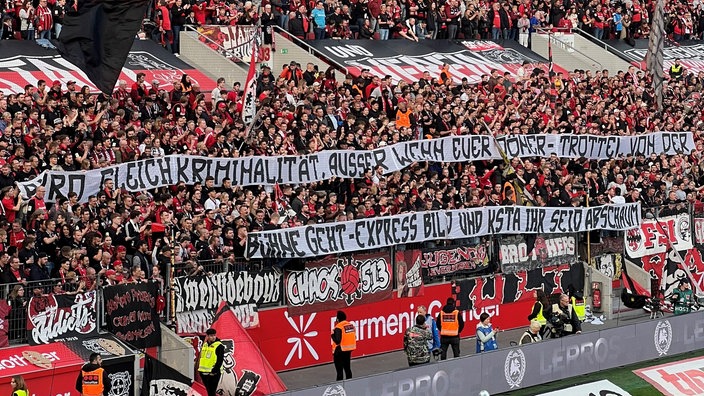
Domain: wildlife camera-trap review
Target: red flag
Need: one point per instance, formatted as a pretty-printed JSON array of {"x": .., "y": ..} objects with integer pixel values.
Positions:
[
  {"x": 246, "y": 371},
  {"x": 4, "y": 323}
]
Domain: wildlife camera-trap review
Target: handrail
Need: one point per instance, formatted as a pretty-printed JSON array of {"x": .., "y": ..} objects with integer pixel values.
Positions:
[
  {"x": 608, "y": 47},
  {"x": 550, "y": 33},
  {"x": 311, "y": 50},
  {"x": 223, "y": 51}
]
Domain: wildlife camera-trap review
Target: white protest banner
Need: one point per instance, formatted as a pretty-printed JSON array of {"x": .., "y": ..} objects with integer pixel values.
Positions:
[
  {"x": 659, "y": 235},
  {"x": 260, "y": 170},
  {"x": 372, "y": 233},
  {"x": 594, "y": 146}
]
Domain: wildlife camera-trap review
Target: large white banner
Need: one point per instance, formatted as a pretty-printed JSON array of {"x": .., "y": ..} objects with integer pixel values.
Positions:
[
  {"x": 258, "y": 170},
  {"x": 658, "y": 236},
  {"x": 372, "y": 233}
]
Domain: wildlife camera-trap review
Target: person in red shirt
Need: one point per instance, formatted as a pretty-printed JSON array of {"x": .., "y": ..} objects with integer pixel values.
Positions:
[
  {"x": 45, "y": 21},
  {"x": 163, "y": 19},
  {"x": 9, "y": 207}
]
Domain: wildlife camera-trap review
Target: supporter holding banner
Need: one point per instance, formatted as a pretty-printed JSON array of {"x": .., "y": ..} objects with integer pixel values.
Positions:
[
  {"x": 235, "y": 287},
  {"x": 517, "y": 253},
  {"x": 169, "y": 170},
  {"x": 339, "y": 282},
  {"x": 373, "y": 233},
  {"x": 61, "y": 317},
  {"x": 130, "y": 311}
]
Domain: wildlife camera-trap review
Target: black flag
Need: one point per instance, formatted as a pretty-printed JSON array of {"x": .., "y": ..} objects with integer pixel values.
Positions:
[
  {"x": 97, "y": 36},
  {"x": 160, "y": 379}
]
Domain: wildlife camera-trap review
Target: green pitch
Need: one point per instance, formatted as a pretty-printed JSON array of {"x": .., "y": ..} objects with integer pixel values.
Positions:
[{"x": 622, "y": 376}]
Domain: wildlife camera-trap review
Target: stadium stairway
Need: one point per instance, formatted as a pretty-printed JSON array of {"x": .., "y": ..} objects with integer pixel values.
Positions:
[
  {"x": 214, "y": 64},
  {"x": 209, "y": 61},
  {"x": 572, "y": 51}
]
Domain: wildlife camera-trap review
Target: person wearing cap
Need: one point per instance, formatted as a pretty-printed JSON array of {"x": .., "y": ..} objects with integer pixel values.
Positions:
[
  {"x": 450, "y": 324},
  {"x": 212, "y": 356},
  {"x": 38, "y": 271},
  {"x": 111, "y": 278}
]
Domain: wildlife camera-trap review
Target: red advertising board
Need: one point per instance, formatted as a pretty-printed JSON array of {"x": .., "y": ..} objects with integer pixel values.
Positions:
[
  {"x": 60, "y": 379},
  {"x": 295, "y": 341}
]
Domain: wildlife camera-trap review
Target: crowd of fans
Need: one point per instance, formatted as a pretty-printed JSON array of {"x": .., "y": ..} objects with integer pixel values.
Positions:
[
  {"x": 118, "y": 237},
  {"x": 380, "y": 19}
]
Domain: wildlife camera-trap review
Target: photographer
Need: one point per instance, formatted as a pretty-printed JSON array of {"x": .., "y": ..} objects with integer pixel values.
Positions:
[
  {"x": 683, "y": 298},
  {"x": 563, "y": 320}
]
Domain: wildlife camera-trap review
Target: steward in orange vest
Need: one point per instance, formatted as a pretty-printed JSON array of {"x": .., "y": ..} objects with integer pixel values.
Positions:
[
  {"x": 93, "y": 379},
  {"x": 450, "y": 325},
  {"x": 404, "y": 115},
  {"x": 445, "y": 74},
  {"x": 344, "y": 341}
]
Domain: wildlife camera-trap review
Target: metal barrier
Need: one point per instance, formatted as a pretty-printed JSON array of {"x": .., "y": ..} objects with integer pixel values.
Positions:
[
  {"x": 608, "y": 47},
  {"x": 311, "y": 50},
  {"x": 550, "y": 32}
]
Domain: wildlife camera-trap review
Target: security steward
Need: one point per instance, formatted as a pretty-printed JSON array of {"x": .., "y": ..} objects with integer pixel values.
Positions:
[
  {"x": 93, "y": 379},
  {"x": 212, "y": 354},
  {"x": 676, "y": 70},
  {"x": 450, "y": 324},
  {"x": 344, "y": 341}
]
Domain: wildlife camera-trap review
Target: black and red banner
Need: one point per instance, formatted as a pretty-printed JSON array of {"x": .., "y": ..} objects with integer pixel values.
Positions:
[
  {"x": 469, "y": 259},
  {"x": 131, "y": 313},
  {"x": 61, "y": 317},
  {"x": 517, "y": 254},
  {"x": 339, "y": 282},
  {"x": 22, "y": 63},
  {"x": 690, "y": 53},
  {"x": 406, "y": 60},
  {"x": 160, "y": 379},
  {"x": 474, "y": 293}
]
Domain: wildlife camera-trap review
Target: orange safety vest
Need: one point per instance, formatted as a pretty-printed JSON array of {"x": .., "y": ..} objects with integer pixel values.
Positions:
[
  {"x": 449, "y": 323},
  {"x": 349, "y": 337},
  {"x": 441, "y": 81},
  {"x": 403, "y": 119},
  {"x": 93, "y": 382}
]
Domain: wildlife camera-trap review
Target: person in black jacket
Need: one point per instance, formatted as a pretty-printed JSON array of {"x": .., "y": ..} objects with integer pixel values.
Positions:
[
  {"x": 499, "y": 23},
  {"x": 450, "y": 325},
  {"x": 86, "y": 384}
]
